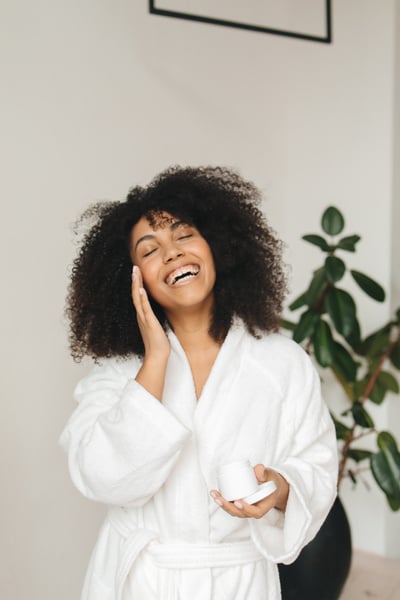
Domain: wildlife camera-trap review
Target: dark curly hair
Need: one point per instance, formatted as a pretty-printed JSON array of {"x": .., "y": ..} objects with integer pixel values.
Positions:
[{"x": 250, "y": 281}]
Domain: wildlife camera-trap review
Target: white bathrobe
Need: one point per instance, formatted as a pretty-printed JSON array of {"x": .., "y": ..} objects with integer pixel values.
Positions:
[{"x": 154, "y": 463}]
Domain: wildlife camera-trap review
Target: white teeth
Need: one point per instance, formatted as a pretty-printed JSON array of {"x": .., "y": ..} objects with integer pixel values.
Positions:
[
  {"x": 186, "y": 276},
  {"x": 183, "y": 273}
]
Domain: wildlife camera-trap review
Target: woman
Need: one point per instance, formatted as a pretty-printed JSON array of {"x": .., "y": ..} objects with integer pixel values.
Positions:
[{"x": 190, "y": 374}]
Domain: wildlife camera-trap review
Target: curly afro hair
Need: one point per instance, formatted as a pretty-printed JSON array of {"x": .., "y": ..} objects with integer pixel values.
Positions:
[{"x": 250, "y": 280}]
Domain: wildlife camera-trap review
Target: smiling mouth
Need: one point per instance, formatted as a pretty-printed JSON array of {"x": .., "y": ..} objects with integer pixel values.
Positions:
[{"x": 182, "y": 274}]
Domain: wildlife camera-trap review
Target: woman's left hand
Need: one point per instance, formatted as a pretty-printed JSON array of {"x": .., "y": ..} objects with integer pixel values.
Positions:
[{"x": 278, "y": 499}]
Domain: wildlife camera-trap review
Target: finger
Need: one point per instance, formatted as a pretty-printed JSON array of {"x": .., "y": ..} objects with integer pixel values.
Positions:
[
  {"x": 220, "y": 500},
  {"x": 140, "y": 292},
  {"x": 137, "y": 285},
  {"x": 261, "y": 473},
  {"x": 135, "y": 281},
  {"x": 149, "y": 317},
  {"x": 230, "y": 507},
  {"x": 261, "y": 508},
  {"x": 137, "y": 278},
  {"x": 253, "y": 511},
  {"x": 240, "y": 508},
  {"x": 147, "y": 310}
]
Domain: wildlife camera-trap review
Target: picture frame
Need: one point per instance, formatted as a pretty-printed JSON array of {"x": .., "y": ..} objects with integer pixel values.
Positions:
[{"x": 309, "y": 20}]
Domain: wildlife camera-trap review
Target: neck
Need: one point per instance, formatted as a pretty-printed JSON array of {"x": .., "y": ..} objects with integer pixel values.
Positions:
[{"x": 192, "y": 329}]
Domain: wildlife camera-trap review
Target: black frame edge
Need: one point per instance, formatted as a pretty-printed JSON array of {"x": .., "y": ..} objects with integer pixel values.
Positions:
[{"x": 198, "y": 18}]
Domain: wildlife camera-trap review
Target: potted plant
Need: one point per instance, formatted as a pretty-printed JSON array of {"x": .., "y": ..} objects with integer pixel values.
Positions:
[{"x": 363, "y": 367}]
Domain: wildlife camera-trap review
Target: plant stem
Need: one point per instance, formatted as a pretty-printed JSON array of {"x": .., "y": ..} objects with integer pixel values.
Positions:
[
  {"x": 364, "y": 434},
  {"x": 344, "y": 453},
  {"x": 375, "y": 373},
  {"x": 351, "y": 437}
]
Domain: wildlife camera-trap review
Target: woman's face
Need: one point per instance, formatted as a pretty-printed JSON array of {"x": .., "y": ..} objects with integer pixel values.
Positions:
[{"x": 176, "y": 263}]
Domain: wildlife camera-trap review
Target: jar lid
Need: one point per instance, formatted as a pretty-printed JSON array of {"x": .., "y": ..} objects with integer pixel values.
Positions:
[{"x": 264, "y": 490}]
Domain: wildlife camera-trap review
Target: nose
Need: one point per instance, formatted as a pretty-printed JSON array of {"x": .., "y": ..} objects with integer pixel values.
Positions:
[{"x": 171, "y": 253}]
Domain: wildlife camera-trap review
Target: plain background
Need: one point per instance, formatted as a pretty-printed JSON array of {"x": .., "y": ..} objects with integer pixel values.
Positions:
[{"x": 98, "y": 96}]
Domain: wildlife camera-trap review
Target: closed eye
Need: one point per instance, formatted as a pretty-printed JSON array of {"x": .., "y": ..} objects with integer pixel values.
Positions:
[
  {"x": 149, "y": 252},
  {"x": 184, "y": 237}
]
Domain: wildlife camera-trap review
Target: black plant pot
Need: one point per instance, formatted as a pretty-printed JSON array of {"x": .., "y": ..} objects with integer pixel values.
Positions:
[{"x": 320, "y": 571}]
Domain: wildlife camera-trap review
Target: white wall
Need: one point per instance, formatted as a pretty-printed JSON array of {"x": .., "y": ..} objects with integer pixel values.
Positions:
[
  {"x": 100, "y": 95},
  {"x": 392, "y": 521}
]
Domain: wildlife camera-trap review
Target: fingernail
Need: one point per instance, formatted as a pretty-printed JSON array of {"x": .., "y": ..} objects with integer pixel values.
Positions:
[
  {"x": 218, "y": 501},
  {"x": 133, "y": 272},
  {"x": 141, "y": 291},
  {"x": 213, "y": 495},
  {"x": 238, "y": 504}
]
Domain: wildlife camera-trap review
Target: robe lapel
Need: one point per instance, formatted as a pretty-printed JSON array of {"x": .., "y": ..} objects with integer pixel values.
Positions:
[
  {"x": 222, "y": 407},
  {"x": 217, "y": 419},
  {"x": 179, "y": 391}
]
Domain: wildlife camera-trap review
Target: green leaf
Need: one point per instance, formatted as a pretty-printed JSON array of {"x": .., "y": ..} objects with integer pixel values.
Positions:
[
  {"x": 359, "y": 455},
  {"x": 342, "y": 431},
  {"x": 341, "y": 309},
  {"x": 389, "y": 382},
  {"x": 352, "y": 476},
  {"x": 355, "y": 336},
  {"x": 317, "y": 287},
  {"x": 395, "y": 356},
  {"x": 385, "y": 382},
  {"x": 378, "y": 392},
  {"x": 323, "y": 342},
  {"x": 332, "y": 221},
  {"x": 376, "y": 343},
  {"x": 387, "y": 443},
  {"x": 334, "y": 268},
  {"x": 361, "y": 416},
  {"x": 344, "y": 363},
  {"x": 348, "y": 243},
  {"x": 285, "y": 324},
  {"x": 306, "y": 326},
  {"x": 385, "y": 466},
  {"x": 298, "y": 302},
  {"x": 369, "y": 286},
  {"x": 359, "y": 387},
  {"x": 317, "y": 240}
]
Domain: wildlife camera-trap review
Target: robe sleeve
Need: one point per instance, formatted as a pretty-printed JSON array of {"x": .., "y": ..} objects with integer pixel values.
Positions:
[
  {"x": 309, "y": 465},
  {"x": 122, "y": 443}
]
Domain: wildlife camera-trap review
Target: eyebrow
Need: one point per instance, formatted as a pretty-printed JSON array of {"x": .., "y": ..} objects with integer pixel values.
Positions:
[{"x": 151, "y": 236}]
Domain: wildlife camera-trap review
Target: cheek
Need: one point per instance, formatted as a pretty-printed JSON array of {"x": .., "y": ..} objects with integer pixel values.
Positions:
[
  {"x": 152, "y": 283},
  {"x": 211, "y": 263},
  {"x": 148, "y": 276}
]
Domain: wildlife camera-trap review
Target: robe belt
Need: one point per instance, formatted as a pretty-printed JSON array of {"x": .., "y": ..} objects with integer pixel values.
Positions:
[
  {"x": 202, "y": 556},
  {"x": 172, "y": 555}
]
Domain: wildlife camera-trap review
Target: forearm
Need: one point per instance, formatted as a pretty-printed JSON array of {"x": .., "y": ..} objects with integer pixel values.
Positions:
[
  {"x": 282, "y": 488},
  {"x": 151, "y": 376}
]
